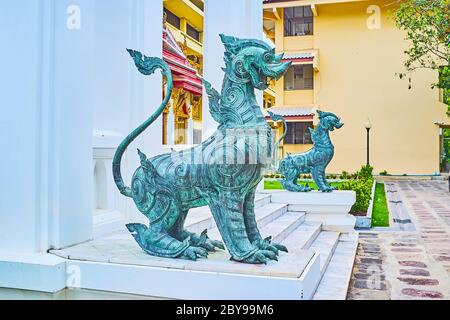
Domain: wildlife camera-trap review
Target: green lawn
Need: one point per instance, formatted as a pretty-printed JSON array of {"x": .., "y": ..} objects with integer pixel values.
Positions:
[
  {"x": 276, "y": 185},
  {"x": 380, "y": 212}
]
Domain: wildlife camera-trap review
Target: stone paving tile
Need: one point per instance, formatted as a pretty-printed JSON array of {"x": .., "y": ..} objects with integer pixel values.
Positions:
[
  {"x": 422, "y": 293},
  {"x": 414, "y": 272},
  {"x": 413, "y": 264}
]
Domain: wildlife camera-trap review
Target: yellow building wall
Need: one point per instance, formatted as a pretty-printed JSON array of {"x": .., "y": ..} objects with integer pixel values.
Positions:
[
  {"x": 279, "y": 92},
  {"x": 291, "y": 44},
  {"x": 357, "y": 81},
  {"x": 299, "y": 97},
  {"x": 293, "y": 97}
]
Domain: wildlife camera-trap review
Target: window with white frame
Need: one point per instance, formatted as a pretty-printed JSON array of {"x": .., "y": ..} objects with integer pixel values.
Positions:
[
  {"x": 298, "y": 21},
  {"x": 298, "y": 133}
]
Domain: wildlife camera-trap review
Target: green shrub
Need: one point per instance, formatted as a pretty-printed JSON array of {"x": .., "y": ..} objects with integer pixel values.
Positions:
[
  {"x": 345, "y": 175},
  {"x": 366, "y": 172},
  {"x": 383, "y": 173},
  {"x": 363, "y": 188},
  {"x": 362, "y": 185}
]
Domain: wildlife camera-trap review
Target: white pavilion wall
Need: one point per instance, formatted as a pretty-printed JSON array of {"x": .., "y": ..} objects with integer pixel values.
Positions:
[
  {"x": 239, "y": 18},
  {"x": 123, "y": 97}
]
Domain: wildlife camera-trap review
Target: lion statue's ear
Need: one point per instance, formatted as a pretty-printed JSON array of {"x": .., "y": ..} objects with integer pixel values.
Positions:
[
  {"x": 320, "y": 113},
  {"x": 226, "y": 40},
  {"x": 233, "y": 45},
  {"x": 230, "y": 43}
]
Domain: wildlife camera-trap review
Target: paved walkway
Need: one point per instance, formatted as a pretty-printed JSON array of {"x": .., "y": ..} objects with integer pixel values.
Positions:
[{"x": 408, "y": 264}]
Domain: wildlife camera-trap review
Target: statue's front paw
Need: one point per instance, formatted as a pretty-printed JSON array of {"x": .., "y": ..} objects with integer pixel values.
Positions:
[
  {"x": 205, "y": 242},
  {"x": 304, "y": 188},
  {"x": 267, "y": 244},
  {"x": 279, "y": 247},
  {"x": 211, "y": 245},
  {"x": 192, "y": 253},
  {"x": 327, "y": 189},
  {"x": 297, "y": 188},
  {"x": 261, "y": 257}
]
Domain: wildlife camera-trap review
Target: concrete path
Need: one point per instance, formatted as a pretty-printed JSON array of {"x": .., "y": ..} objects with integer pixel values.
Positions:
[{"x": 413, "y": 262}]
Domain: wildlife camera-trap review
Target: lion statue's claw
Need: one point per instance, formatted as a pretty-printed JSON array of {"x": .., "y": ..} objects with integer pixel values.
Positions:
[
  {"x": 261, "y": 257},
  {"x": 192, "y": 253}
]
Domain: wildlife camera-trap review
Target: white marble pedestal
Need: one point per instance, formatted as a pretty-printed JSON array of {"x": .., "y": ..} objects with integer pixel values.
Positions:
[
  {"x": 310, "y": 225},
  {"x": 115, "y": 263}
]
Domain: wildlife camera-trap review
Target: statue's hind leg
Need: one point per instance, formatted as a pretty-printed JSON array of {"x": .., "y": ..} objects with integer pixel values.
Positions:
[
  {"x": 251, "y": 226},
  {"x": 325, "y": 182},
  {"x": 290, "y": 182},
  {"x": 318, "y": 174},
  {"x": 163, "y": 210},
  {"x": 194, "y": 239},
  {"x": 227, "y": 209},
  {"x": 154, "y": 241}
]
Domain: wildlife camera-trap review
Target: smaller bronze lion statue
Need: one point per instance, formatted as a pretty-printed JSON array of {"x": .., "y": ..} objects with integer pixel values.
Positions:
[{"x": 313, "y": 161}]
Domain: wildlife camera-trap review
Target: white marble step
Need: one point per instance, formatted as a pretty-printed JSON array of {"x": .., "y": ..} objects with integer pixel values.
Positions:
[
  {"x": 304, "y": 235},
  {"x": 269, "y": 213},
  {"x": 335, "y": 281},
  {"x": 324, "y": 245},
  {"x": 282, "y": 227},
  {"x": 278, "y": 228},
  {"x": 261, "y": 199},
  {"x": 199, "y": 219}
]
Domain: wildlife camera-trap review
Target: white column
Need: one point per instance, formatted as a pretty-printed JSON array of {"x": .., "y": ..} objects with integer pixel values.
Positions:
[
  {"x": 47, "y": 179},
  {"x": 240, "y": 18},
  {"x": 20, "y": 145},
  {"x": 46, "y": 190}
]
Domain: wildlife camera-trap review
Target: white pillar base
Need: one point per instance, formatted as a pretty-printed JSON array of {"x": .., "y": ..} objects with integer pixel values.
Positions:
[{"x": 32, "y": 271}]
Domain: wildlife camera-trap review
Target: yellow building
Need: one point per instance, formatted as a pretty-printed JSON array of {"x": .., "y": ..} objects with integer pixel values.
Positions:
[
  {"x": 346, "y": 54},
  {"x": 183, "y": 51}
]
